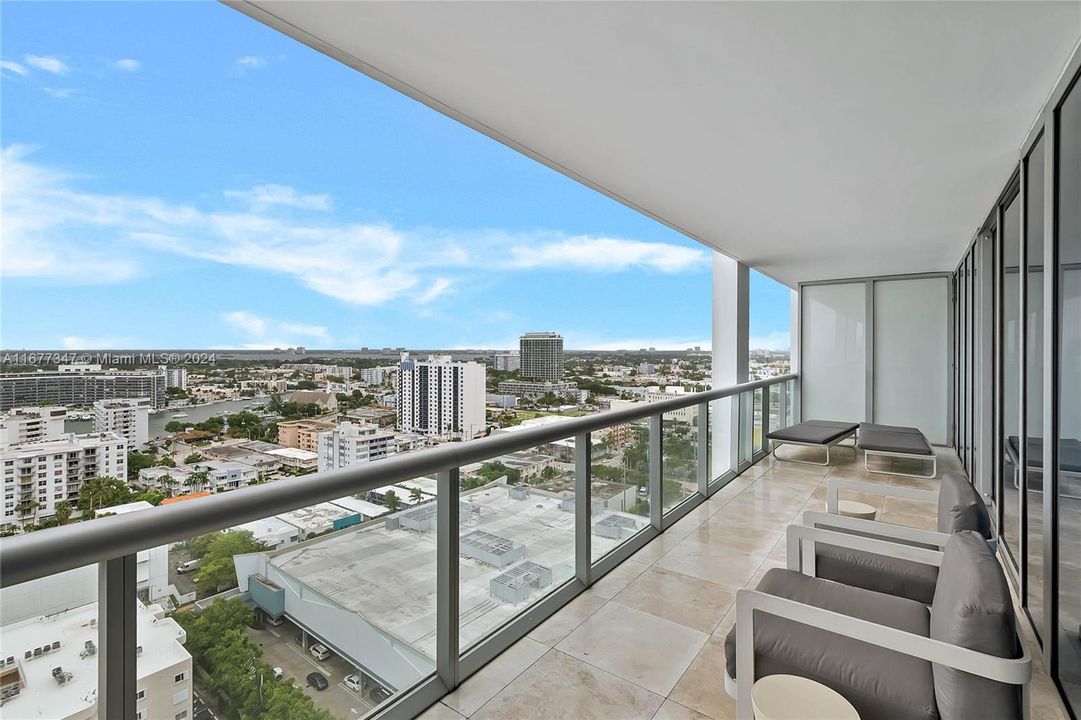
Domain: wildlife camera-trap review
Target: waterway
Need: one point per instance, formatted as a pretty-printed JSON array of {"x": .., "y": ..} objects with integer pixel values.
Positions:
[{"x": 195, "y": 413}]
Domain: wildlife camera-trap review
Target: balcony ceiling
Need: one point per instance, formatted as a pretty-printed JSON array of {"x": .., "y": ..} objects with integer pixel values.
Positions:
[{"x": 809, "y": 140}]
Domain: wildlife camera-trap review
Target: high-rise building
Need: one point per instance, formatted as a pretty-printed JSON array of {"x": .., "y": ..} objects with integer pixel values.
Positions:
[
  {"x": 31, "y": 424},
  {"x": 353, "y": 444},
  {"x": 39, "y": 475},
  {"x": 130, "y": 419},
  {"x": 541, "y": 356},
  {"x": 507, "y": 361},
  {"x": 81, "y": 385},
  {"x": 441, "y": 398},
  {"x": 175, "y": 377}
]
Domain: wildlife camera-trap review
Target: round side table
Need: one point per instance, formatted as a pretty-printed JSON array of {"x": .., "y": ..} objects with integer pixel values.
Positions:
[
  {"x": 790, "y": 697},
  {"x": 851, "y": 508}
]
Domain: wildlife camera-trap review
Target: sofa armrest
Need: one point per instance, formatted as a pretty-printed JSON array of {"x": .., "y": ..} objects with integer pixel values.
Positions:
[
  {"x": 800, "y": 544},
  {"x": 901, "y": 533},
  {"x": 835, "y": 485},
  {"x": 1015, "y": 671}
]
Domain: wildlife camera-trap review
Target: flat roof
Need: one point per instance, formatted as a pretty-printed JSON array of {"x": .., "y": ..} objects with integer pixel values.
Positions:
[
  {"x": 315, "y": 518},
  {"x": 266, "y": 527},
  {"x": 293, "y": 453},
  {"x": 42, "y": 696},
  {"x": 426, "y": 485},
  {"x": 388, "y": 576},
  {"x": 365, "y": 508}
]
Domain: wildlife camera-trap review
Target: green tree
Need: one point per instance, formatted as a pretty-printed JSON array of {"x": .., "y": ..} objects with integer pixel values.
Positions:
[
  {"x": 151, "y": 496},
  {"x": 63, "y": 512},
  {"x": 138, "y": 461},
  {"x": 415, "y": 494},
  {"x": 549, "y": 473},
  {"x": 245, "y": 424},
  {"x": 307, "y": 385},
  {"x": 166, "y": 461},
  {"x": 548, "y": 400},
  {"x": 197, "y": 481},
  {"x": 193, "y": 458},
  {"x": 216, "y": 570},
  {"x": 390, "y": 499},
  {"x": 102, "y": 492},
  {"x": 175, "y": 426}
]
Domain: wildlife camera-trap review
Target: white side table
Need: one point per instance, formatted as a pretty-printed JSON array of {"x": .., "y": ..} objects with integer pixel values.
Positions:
[
  {"x": 790, "y": 697},
  {"x": 854, "y": 509}
]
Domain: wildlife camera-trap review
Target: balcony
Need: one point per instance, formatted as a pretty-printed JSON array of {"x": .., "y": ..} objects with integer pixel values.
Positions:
[{"x": 907, "y": 170}]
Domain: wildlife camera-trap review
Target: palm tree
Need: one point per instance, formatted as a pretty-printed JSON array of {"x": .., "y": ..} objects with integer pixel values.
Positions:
[
  {"x": 415, "y": 494},
  {"x": 198, "y": 480},
  {"x": 63, "y": 512}
]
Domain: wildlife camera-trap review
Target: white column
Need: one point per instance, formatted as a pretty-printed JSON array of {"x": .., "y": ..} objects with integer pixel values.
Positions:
[
  {"x": 793, "y": 348},
  {"x": 731, "y": 326}
]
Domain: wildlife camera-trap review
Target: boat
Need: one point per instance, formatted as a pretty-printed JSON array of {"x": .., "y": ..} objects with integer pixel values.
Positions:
[{"x": 178, "y": 415}]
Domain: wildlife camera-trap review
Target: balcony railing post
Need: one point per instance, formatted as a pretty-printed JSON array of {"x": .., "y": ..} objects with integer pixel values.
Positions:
[
  {"x": 765, "y": 418},
  {"x": 656, "y": 465},
  {"x": 446, "y": 602},
  {"x": 583, "y": 509},
  {"x": 116, "y": 638},
  {"x": 703, "y": 448},
  {"x": 782, "y": 405}
]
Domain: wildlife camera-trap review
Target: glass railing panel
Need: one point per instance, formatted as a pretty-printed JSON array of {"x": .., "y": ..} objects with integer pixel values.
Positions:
[
  {"x": 746, "y": 427},
  {"x": 757, "y": 428},
  {"x": 516, "y": 535},
  {"x": 791, "y": 417},
  {"x": 723, "y": 437},
  {"x": 680, "y": 447},
  {"x": 619, "y": 486},
  {"x": 49, "y": 646},
  {"x": 329, "y": 610}
]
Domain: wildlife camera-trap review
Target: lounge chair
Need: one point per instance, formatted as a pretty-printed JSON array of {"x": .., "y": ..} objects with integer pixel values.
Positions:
[
  {"x": 813, "y": 433},
  {"x": 895, "y": 441}
]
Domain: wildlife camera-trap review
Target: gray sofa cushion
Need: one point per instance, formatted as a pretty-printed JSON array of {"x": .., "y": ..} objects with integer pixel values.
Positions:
[
  {"x": 972, "y": 608},
  {"x": 880, "y": 684},
  {"x": 894, "y": 438},
  {"x": 960, "y": 507},
  {"x": 893, "y": 576},
  {"x": 818, "y": 432}
]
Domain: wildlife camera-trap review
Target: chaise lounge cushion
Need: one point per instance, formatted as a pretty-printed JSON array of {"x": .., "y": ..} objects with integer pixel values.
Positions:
[
  {"x": 814, "y": 432},
  {"x": 893, "y": 576},
  {"x": 973, "y": 609},
  {"x": 960, "y": 507},
  {"x": 880, "y": 683},
  {"x": 894, "y": 438}
]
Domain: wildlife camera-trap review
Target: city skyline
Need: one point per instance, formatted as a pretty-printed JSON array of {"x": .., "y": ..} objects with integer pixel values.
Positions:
[{"x": 398, "y": 228}]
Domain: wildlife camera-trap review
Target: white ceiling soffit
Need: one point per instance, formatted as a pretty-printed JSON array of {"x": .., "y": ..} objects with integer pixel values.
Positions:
[{"x": 810, "y": 140}]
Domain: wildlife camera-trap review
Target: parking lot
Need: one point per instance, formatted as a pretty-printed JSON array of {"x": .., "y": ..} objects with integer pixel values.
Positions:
[{"x": 281, "y": 649}]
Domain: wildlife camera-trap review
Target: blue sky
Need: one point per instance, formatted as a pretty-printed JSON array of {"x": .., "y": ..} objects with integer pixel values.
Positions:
[{"x": 178, "y": 175}]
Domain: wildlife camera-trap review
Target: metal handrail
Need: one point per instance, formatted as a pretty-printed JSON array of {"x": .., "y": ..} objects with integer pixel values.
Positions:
[{"x": 53, "y": 550}]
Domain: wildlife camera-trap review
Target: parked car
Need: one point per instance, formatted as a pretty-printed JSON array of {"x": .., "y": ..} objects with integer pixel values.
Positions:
[
  {"x": 352, "y": 682},
  {"x": 275, "y": 621},
  {"x": 317, "y": 680},
  {"x": 278, "y": 673},
  {"x": 187, "y": 567},
  {"x": 319, "y": 652}
]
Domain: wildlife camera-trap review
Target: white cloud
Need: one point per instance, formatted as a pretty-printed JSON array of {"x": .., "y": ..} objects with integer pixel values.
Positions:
[
  {"x": 59, "y": 93},
  {"x": 54, "y": 229},
  {"x": 440, "y": 286},
  {"x": 261, "y": 332},
  {"x": 263, "y": 196},
  {"x": 14, "y": 67},
  {"x": 606, "y": 254},
  {"x": 48, "y": 63},
  {"x": 242, "y": 65},
  {"x": 128, "y": 64},
  {"x": 776, "y": 340}
]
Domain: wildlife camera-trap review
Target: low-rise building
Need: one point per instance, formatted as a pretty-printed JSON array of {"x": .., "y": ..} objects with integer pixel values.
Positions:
[
  {"x": 353, "y": 444},
  {"x": 39, "y": 475},
  {"x": 31, "y": 424},
  {"x": 534, "y": 389},
  {"x": 166, "y": 480},
  {"x": 380, "y": 415},
  {"x": 271, "y": 531},
  {"x": 304, "y": 434},
  {"x": 222, "y": 475},
  {"x": 319, "y": 519},
  {"x": 296, "y": 460},
  {"x": 325, "y": 400},
  {"x": 367, "y": 510}
]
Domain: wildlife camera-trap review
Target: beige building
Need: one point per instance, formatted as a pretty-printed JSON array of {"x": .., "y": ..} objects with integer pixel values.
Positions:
[{"x": 304, "y": 434}]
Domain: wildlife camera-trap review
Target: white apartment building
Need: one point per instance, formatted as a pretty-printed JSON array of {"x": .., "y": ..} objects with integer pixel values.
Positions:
[
  {"x": 507, "y": 361},
  {"x": 152, "y": 565},
  {"x": 293, "y": 458},
  {"x": 31, "y": 424},
  {"x": 49, "y": 667},
  {"x": 128, "y": 418},
  {"x": 174, "y": 377},
  {"x": 377, "y": 375},
  {"x": 440, "y": 397},
  {"x": 224, "y": 475},
  {"x": 37, "y": 476},
  {"x": 167, "y": 480},
  {"x": 352, "y": 444},
  {"x": 541, "y": 356}
]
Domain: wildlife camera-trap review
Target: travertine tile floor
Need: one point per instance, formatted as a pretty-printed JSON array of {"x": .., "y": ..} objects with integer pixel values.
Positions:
[{"x": 647, "y": 640}]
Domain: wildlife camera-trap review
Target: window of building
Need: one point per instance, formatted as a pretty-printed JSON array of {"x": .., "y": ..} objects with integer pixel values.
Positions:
[
  {"x": 141, "y": 695},
  {"x": 180, "y": 677}
]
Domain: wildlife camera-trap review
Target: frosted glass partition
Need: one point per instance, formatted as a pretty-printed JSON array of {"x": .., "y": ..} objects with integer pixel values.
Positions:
[
  {"x": 911, "y": 356},
  {"x": 833, "y": 360}
]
